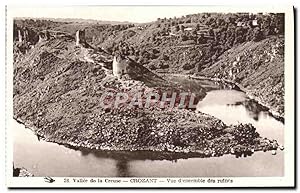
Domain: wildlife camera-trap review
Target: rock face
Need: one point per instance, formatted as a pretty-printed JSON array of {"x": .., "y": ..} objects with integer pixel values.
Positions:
[
  {"x": 80, "y": 37},
  {"x": 44, "y": 36},
  {"x": 21, "y": 172},
  {"x": 258, "y": 67}
]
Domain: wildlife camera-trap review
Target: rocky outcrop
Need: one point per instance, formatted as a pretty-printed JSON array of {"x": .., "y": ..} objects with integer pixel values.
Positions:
[
  {"x": 21, "y": 172},
  {"x": 258, "y": 68}
]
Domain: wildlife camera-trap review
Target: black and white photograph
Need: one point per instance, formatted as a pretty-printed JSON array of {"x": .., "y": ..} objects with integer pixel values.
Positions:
[{"x": 150, "y": 96}]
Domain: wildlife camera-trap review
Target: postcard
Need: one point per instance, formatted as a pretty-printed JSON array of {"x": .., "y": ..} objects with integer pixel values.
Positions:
[{"x": 150, "y": 96}]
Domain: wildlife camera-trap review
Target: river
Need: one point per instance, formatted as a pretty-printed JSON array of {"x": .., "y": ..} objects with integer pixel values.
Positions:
[{"x": 49, "y": 159}]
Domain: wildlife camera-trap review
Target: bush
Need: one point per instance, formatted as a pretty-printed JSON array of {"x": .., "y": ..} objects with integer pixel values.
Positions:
[
  {"x": 184, "y": 38},
  {"x": 188, "y": 66},
  {"x": 257, "y": 35},
  {"x": 163, "y": 65}
]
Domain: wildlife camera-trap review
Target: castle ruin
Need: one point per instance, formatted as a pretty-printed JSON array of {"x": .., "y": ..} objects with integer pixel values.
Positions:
[
  {"x": 120, "y": 66},
  {"x": 22, "y": 35},
  {"x": 20, "y": 39},
  {"x": 44, "y": 35},
  {"x": 80, "y": 37}
]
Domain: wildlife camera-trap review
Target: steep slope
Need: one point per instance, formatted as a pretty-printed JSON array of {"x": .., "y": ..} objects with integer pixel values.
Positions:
[
  {"x": 258, "y": 67},
  {"x": 57, "y": 92}
]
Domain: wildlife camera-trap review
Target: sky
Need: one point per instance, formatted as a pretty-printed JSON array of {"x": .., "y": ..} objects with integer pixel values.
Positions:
[{"x": 137, "y": 14}]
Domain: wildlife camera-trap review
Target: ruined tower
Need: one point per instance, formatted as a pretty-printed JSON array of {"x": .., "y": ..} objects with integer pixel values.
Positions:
[
  {"x": 20, "y": 39},
  {"x": 23, "y": 35},
  {"x": 44, "y": 35},
  {"x": 80, "y": 37},
  {"x": 120, "y": 66}
]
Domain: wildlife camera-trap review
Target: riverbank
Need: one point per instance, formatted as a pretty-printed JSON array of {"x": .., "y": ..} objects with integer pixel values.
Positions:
[
  {"x": 237, "y": 86},
  {"x": 257, "y": 68},
  {"x": 21, "y": 172},
  {"x": 186, "y": 132},
  {"x": 223, "y": 83},
  {"x": 60, "y": 100},
  {"x": 88, "y": 162}
]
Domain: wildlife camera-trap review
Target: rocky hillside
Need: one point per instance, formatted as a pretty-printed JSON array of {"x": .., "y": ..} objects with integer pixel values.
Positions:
[
  {"x": 258, "y": 67},
  {"x": 57, "y": 91},
  {"x": 58, "y": 84},
  {"x": 244, "y": 48}
]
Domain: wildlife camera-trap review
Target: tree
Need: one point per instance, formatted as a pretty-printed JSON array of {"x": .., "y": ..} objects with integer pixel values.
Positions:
[
  {"x": 279, "y": 20},
  {"x": 257, "y": 35},
  {"x": 188, "y": 66},
  {"x": 194, "y": 32},
  {"x": 238, "y": 39},
  {"x": 184, "y": 37},
  {"x": 202, "y": 39},
  {"x": 131, "y": 51},
  {"x": 211, "y": 32},
  {"x": 165, "y": 57},
  {"x": 182, "y": 28},
  {"x": 153, "y": 38},
  {"x": 188, "y": 20}
]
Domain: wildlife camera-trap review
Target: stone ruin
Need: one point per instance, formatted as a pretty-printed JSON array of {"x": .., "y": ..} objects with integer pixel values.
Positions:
[
  {"x": 20, "y": 39},
  {"x": 80, "y": 37},
  {"x": 120, "y": 65},
  {"x": 25, "y": 37},
  {"x": 44, "y": 35},
  {"x": 125, "y": 67},
  {"x": 22, "y": 35}
]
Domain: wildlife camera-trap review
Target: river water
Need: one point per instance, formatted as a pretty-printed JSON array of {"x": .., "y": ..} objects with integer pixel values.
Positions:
[{"x": 49, "y": 159}]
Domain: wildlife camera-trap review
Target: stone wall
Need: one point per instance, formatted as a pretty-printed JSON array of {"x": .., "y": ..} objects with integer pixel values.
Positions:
[
  {"x": 80, "y": 37},
  {"x": 43, "y": 36},
  {"x": 25, "y": 35},
  {"x": 120, "y": 66},
  {"x": 22, "y": 35}
]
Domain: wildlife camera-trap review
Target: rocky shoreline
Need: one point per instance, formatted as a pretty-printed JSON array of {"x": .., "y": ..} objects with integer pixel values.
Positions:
[
  {"x": 248, "y": 92},
  {"x": 59, "y": 99},
  {"x": 21, "y": 172},
  {"x": 239, "y": 140},
  {"x": 236, "y": 86},
  {"x": 258, "y": 69}
]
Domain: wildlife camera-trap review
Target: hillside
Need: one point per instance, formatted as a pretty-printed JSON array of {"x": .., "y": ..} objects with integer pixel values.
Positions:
[
  {"x": 57, "y": 92},
  {"x": 244, "y": 48},
  {"x": 58, "y": 85},
  {"x": 258, "y": 67}
]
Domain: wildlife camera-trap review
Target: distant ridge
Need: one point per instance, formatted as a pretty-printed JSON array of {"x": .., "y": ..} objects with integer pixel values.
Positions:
[{"x": 78, "y": 20}]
